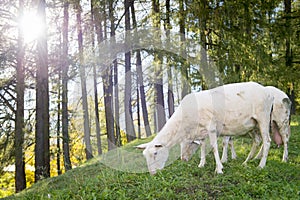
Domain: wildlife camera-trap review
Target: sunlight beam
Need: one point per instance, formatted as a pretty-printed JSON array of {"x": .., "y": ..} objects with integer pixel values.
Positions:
[{"x": 32, "y": 26}]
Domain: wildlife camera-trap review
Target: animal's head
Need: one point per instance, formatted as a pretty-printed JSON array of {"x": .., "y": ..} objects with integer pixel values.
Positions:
[
  {"x": 156, "y": 156},
  {"x": 188, "y": 148}
]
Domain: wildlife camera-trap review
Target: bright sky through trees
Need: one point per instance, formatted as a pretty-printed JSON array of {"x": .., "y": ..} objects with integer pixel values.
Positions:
[{"x": 32, "y": 26}]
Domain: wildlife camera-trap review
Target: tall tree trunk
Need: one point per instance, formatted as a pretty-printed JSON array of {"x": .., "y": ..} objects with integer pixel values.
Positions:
[
  {"x": 170, "y": 100},
  {"x": 87, "y": 134},
  {"x": 107, "y": 86},
  {"x": 117, "y": 104},
  {"x": 97, "y": 117},
  {"x": 95, "y": 14},
  {"x": 138, "y": 112},
  {"x": 142, "y": 93},
  {"x": 64, "y": 102},
  {"x": 184, "y": 66},
  {"x": 20, "y": 178},
  {"x": 130, "y": 132},
  {"x": 58, "y": 128},
  {"x": 158, "y": 85},
  {"x": 107, "y": 89},
  {"x": 288, "y": 50},
  {"x": 115, "y": 77},
  {"x": 140, "y": 80},
  {"x": 207, "y": 73},
  {"x": 138, "y": 64},
  {"x": 42, "y": 153}
]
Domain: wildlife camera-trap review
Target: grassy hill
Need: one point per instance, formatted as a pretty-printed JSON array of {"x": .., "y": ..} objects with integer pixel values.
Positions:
[{"x": 120, "y": 174}]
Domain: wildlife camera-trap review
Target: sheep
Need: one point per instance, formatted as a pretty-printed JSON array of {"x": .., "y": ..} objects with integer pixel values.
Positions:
[
  {"x": 280, "y": 119},
  {"x": 233, "y": 109}
]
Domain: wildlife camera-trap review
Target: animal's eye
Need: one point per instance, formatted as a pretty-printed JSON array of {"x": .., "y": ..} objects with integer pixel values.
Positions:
[{"x": 155, "y": 153}]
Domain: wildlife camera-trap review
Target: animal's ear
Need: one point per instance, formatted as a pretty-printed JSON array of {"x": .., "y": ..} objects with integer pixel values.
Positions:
[
  {"x": 142, "y": 146},
  {"x": 196, "y": 142},
  {"x": 158, "y": 145}
]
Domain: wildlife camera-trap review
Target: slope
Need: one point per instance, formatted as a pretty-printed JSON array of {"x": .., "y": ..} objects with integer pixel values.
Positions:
[{"x": 120, "y": 174}]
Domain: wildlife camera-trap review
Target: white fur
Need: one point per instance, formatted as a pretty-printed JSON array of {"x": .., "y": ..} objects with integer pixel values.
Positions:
[
  {"x": 280, "y": 115},
  {"x": 233, "y": 109}
]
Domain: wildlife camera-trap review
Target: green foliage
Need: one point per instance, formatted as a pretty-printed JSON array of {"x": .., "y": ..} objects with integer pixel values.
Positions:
[{"x": 181, "y": 180}]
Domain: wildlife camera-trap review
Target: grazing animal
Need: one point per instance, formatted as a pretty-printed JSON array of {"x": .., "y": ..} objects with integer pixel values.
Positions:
[
  {"x": 280, "y": 120},
  {"x": 233, "y": 109}
]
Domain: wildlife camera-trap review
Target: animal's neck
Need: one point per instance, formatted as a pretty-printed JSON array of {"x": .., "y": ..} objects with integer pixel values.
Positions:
[{"x": 170, "y": 134}]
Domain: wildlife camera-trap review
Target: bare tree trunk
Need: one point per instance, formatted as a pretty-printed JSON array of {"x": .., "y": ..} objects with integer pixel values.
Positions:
[
  {"x": 130, "y": 132},
  {"x": 107, "y": 87},
  {"x": 87, "y": 134},
  {"x": 64, "y": 102},
  {"x": 171, "y": 108},
  {"x": 138, "y": 65},
  {"x": 96, "y": 23},
  {"x": 42, "y": 154},
  {"x": 158, "y": 85},
  {"x": 117, "y": 104},
  {"x": 20, "y": 177},
  {"x": 208, "y": 74},
  {"x": 140, "y": 80},
  {"x": 142, "y": 93},
  {"x": 184, "y": 66},
  {"x": 97, "y": 117},
  {"x": 58, "y": 128},
  {"x": 115, "y": 77},
  {"x": 288, "y": 50},
  {"x": 138, "y": 112}
]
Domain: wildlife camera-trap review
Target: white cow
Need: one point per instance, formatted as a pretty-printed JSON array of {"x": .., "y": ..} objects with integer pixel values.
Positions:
[
  {"x": 280, "y": 131},
  {"x": 233, "y": 109}
]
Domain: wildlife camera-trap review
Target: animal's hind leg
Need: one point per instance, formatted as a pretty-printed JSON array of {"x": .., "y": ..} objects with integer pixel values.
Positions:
[
  {"x": 266, "y": 144},
  {"x": 255, "y": 144},
  {"x": 259, "y": 155},
  {"x": 233, "y": 154},
  {"x": 225, "y": 149},
  {"x": 285, "y": 143}
]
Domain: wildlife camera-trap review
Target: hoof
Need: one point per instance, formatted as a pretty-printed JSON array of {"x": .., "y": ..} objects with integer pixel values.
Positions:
[
  {"x": 201, "y": 165},
  {"x": 219, "y": 171}
]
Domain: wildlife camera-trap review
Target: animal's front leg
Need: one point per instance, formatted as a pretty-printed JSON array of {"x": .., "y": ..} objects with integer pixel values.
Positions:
[
  {"x": 213, "y": 141},
  {"x": 202, "y": 154},
  {"x": 266, "y": 146}
]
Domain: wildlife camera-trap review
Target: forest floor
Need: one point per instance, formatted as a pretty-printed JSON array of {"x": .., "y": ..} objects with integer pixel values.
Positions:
[{"x": 122, "y": 174}]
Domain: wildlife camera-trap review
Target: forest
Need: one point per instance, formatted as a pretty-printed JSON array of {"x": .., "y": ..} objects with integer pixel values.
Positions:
[{"x": 81, "y": 78}]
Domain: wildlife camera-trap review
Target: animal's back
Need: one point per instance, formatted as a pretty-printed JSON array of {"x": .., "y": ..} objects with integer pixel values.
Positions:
[{"x": 233, "y": 107}]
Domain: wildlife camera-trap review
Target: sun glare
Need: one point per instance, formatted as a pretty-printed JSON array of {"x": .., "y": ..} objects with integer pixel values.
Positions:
[{"x": 32, "y": 27}]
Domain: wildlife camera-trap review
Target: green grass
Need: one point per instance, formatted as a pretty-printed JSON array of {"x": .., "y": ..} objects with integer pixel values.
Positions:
[{"x": 121, "y": 175}]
